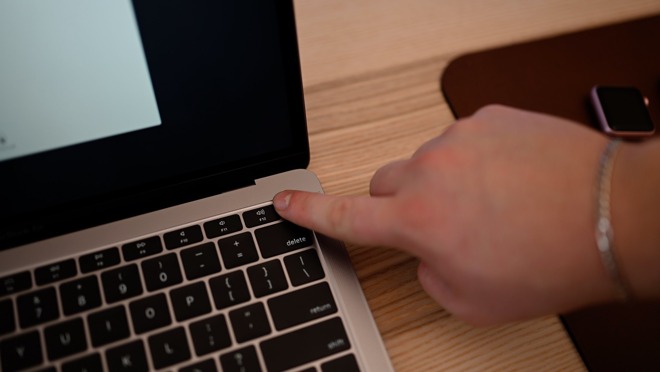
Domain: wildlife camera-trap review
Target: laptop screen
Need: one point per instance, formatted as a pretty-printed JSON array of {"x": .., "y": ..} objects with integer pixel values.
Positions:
[{"x": 104, "y": 100}]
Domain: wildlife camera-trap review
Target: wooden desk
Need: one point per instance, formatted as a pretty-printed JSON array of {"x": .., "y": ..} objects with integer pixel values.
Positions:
[{"x": 371, "y": 71}]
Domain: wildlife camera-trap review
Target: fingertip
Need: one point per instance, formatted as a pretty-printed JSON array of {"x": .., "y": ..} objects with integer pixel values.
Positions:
[
  {"x": 358, "y": 219},
  {"x": 282, "y": 200},
  {"x": 294, "y": 206}
]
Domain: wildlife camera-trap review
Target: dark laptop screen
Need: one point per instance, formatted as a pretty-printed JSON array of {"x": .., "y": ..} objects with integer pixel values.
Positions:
[{"x": 101, "y": 101}]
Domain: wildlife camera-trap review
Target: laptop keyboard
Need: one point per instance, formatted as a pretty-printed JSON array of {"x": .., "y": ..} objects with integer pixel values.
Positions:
[{"x": 241, "y": 292}]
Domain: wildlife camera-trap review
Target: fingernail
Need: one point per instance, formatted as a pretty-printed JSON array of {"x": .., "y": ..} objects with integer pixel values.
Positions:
[{"x": 281, "y": 200}]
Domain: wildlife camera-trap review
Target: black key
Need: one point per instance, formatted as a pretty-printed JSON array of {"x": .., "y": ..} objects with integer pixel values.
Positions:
[
  {"x": 305, "y": 345},
  {"x": 7, "y": 322},
  {"x": 223, "y": 226},
  {"x": 190, "y": 301},
  {"x": 47, "y": 369},
  {"x": 88, "y": 363},
  {"x": 20, "y": 352},
  {"x": 64, "y": 339},
  {"x": 80, "y": 295},
  {"x": 204, "y": 366},
  {"x": 304, "y": 267},
  {"x": 150, "y": 313},
  {"x": 249, "y": 322},
  {"x": 260, "y": 216},
  {"x": 37, "y": 307},
  {"x": 238, "y": 250},
  {"x": 55, "y": 272},
  {"x": 182, "y": 237},
  {"x": 347, "y": 363},
  {"x": 302, "y": 306},
  {"x": 142, "y": 248},
  {"x": 281, "y": 238},
  {"x": 169, "y": 348},
  {"x": 161, "y": 272},
  {"x": 267, "y": 278},
  {"x": 122, "y": 283},
  {"x": 127, "y": 358},
  {"x": 99, "y": 260},
  {"x": 108, "y": 326},
  {"x": 242, "y": 360},
  {"x": 229, "y": 289},
  {"x": 210, "y": 335},
  {"x": 15, "y": 283},
  {"x": 200, "y": 261}
]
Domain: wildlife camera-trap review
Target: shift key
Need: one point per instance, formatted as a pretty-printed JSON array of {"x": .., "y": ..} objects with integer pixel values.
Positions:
[
  {"x": 281, "y": 238},
  {"x": 305, "y": 345}
]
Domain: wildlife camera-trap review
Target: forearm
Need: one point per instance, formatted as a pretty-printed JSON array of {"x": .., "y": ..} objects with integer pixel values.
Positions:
[{"x": 636, "y": 216}]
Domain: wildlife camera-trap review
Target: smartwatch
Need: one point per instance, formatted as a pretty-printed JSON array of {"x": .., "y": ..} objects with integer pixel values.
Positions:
[{"x": 622, "y": 111}]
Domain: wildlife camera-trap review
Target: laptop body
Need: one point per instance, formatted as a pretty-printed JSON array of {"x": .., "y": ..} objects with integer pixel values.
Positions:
[{"x": 140, "y": 146}]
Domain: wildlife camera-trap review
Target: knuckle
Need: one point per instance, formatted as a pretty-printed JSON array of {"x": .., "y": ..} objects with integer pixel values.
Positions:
[
  {"x": 379, "y": 179},
  {"x": 491, "y": 109},
  {"x": 471, "y": 125},
  {"x": 422, "y": 162},
  {"x": 441, "y": 159}
]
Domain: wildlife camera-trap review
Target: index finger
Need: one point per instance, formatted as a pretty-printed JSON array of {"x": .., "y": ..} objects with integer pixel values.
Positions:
[{"x": 357, "y": 219}]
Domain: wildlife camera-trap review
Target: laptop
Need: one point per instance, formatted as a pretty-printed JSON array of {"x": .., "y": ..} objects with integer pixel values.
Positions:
[{"x": 141, "y": 144}]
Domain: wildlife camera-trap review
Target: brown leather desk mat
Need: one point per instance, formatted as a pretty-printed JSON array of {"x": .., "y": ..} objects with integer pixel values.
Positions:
[{"x": 554, "y": 76}]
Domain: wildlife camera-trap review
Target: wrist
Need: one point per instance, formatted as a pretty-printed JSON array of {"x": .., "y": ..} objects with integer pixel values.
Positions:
[{"x": 635, "y": 216}]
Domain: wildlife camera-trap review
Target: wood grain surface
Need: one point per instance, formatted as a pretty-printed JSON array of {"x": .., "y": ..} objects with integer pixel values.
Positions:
[{"x": 371, "y": 71}]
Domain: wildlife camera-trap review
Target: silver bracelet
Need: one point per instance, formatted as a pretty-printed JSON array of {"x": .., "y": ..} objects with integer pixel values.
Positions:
[{"x": 604, "y": 232}]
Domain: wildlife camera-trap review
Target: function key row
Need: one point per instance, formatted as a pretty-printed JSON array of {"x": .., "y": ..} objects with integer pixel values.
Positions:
[
  {"x": 260, "y": 216},
  {"x": 142, "y": 248},
  {"x": 193, "y": 234},
  {"x": 223, "y": 226},
  {"x": 99, "y": 260},
  {"x": 55, "y": 272},
  {"x": 109, "y": 257},
  {"x": 183, "y": 237},
  {"x": 15, "y": 283}
]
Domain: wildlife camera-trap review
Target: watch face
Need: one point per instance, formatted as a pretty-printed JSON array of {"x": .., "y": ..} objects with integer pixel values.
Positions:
[{"x": 623, "y": 110}]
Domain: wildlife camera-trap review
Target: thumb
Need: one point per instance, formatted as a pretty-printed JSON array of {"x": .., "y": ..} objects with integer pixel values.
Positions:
[{"x": 357, "y": 219}]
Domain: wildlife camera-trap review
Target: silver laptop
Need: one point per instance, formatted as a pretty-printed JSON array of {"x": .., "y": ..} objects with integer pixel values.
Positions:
[{"x": 140, "y": 146}]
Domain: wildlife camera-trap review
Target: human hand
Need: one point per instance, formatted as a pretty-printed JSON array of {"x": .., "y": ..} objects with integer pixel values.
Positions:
[{"x": 499, "y": 209}]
